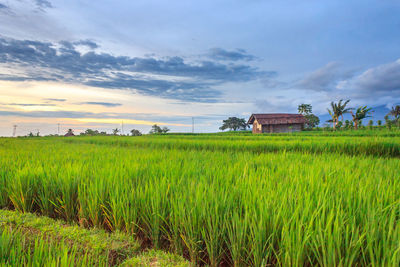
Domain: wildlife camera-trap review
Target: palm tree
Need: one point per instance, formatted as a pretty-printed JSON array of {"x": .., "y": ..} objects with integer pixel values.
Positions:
[
  {"x": 115, "y": 131},
  {"x": 337, "y": 111},
  {"x": 333, "y": 115},
  {"x": 395, "y": 112},
  {"x": 304, "y": 109},
  {"x": 361, "y": 113}
]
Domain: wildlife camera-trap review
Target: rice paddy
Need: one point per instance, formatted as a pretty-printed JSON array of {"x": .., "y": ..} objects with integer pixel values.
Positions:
[{"x": 307, "y": 199}]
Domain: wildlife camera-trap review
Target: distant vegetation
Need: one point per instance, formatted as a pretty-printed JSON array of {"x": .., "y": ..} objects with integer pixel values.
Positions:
[
  {"x": 234, "y": 124},
  {"x": 312, "y": 121},
  {"x": 155, "y": 129}
]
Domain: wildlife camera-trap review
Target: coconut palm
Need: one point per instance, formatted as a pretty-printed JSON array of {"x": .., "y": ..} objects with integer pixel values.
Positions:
[
  {"x": 337, "y": 111},
  {"x": 395, "y": 112},
  {"x": 361, "y": 113},
  {"x": 304, "y": 109}
]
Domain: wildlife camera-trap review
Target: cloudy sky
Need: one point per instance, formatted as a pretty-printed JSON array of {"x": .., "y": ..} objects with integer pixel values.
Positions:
[{"x": 93, "y": 64}]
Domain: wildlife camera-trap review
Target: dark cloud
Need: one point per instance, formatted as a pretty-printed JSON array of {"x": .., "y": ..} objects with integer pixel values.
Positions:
[
  {"x": 6, "y": 77},
  {"x": 55, "y": 99},
  {"x": 43, "y": 4},
  {"x": 104, "y": 104},
  {"x": 90, "y": 44},
  {"x": 222, "y": 54},
  {"x": 170, "y": 77},
  {"x": 185, "y": 91},
  {"x": 3, "y": 6},
  {"x": 381, "y": 79},
  {"x": 325, "y": 78}
]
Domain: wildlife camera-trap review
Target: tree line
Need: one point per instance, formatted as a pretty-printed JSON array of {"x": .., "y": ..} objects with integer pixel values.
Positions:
[{"x": 336, "y": 111}]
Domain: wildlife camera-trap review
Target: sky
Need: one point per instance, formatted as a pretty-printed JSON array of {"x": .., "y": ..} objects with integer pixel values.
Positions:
[{"x": 100, "y": 64}]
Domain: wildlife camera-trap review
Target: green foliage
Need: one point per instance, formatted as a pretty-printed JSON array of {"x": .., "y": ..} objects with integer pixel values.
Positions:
[
  {"x": 337, "y": 111},
  {"x": 135, "y": 132},
  {"x": 302, "y": 199},
  {"x": 155, "y": 129},
  {"x": 312, "y": 121},
  {"x": 361, "y": 113},
  {"x": 26, "y": 239},
  {"x": 20, "y": 249},
  {"x": 115, "y": 131},
  {"x": 305, "y": 109},
  {"x": 165, "y": 129},
  {"x": 347, "y": 124},
  {"x": 395, "y": 113},
  {"x": 234, "y": 123},
  {"x": 388, "y": 122},
  {"x": 91, "y": 132}
]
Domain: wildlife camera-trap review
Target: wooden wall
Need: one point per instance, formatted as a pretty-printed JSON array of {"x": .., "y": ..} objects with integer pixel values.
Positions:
[{"x": 277, "y": 128}]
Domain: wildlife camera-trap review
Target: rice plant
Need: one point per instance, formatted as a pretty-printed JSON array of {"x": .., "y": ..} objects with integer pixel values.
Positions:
[{"x": 241, "y": 200}]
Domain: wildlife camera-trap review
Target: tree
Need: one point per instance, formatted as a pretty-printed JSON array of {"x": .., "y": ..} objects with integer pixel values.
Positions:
[
  {"x": 234, "y": 123},
  {"x": 70, "y": 132},
  {"x": 370, "y": 124},
  {"x": 115, "y": 131},
  {"x": 31, "y": 134},
  {"x": 135, "y": 132},
  {"x": 361, "y": 113},
  {"x": 164, "y": 129},
  {"x": 311, "y": 120},
  {"x": 395, "y": 113},
  {"x": 305, "y": 109},
  {"x": 337, "y": 111},
  {"x": 379, "y": 122},
  {"x": 91, "y": 132},
  {"x": 347, "y": 124},
  {"x": 155, "y": 129},
  {"x": 388, "y": 122}
]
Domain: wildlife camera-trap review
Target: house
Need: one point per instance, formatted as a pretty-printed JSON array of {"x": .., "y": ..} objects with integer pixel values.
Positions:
[
  {"x": 69, "y": 133},
  {"x": 276, "y": 123}
]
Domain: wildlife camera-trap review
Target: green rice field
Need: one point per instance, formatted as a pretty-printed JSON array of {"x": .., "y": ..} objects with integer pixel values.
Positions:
[{"x": 305, "y": 199}]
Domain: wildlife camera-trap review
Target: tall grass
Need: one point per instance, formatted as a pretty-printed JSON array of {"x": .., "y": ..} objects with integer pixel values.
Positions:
[
  {"x": 377, "y": 146},
  {"x": 18, "y": 250},
  {"x": 216, "y": 205}
]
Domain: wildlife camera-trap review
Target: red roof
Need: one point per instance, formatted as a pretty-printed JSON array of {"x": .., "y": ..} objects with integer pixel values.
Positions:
[{"x": 277, "y": 118}]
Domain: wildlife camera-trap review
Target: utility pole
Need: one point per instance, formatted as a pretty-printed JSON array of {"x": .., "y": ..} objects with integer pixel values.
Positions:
[
  {"x": 192, "y": 124},
  {"x": 14, "y": 130},
  {"x": 122, "y": 128}
]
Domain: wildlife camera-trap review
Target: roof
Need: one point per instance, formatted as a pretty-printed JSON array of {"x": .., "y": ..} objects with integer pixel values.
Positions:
[
  {"x": 277, "y": 118},
  {"x": 69, "y": 134}
]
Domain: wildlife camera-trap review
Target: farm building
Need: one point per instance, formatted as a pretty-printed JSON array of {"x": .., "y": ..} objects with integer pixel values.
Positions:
[
  {"x": 276, "y": 123},
  {"x": 69, "y": 134}
]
